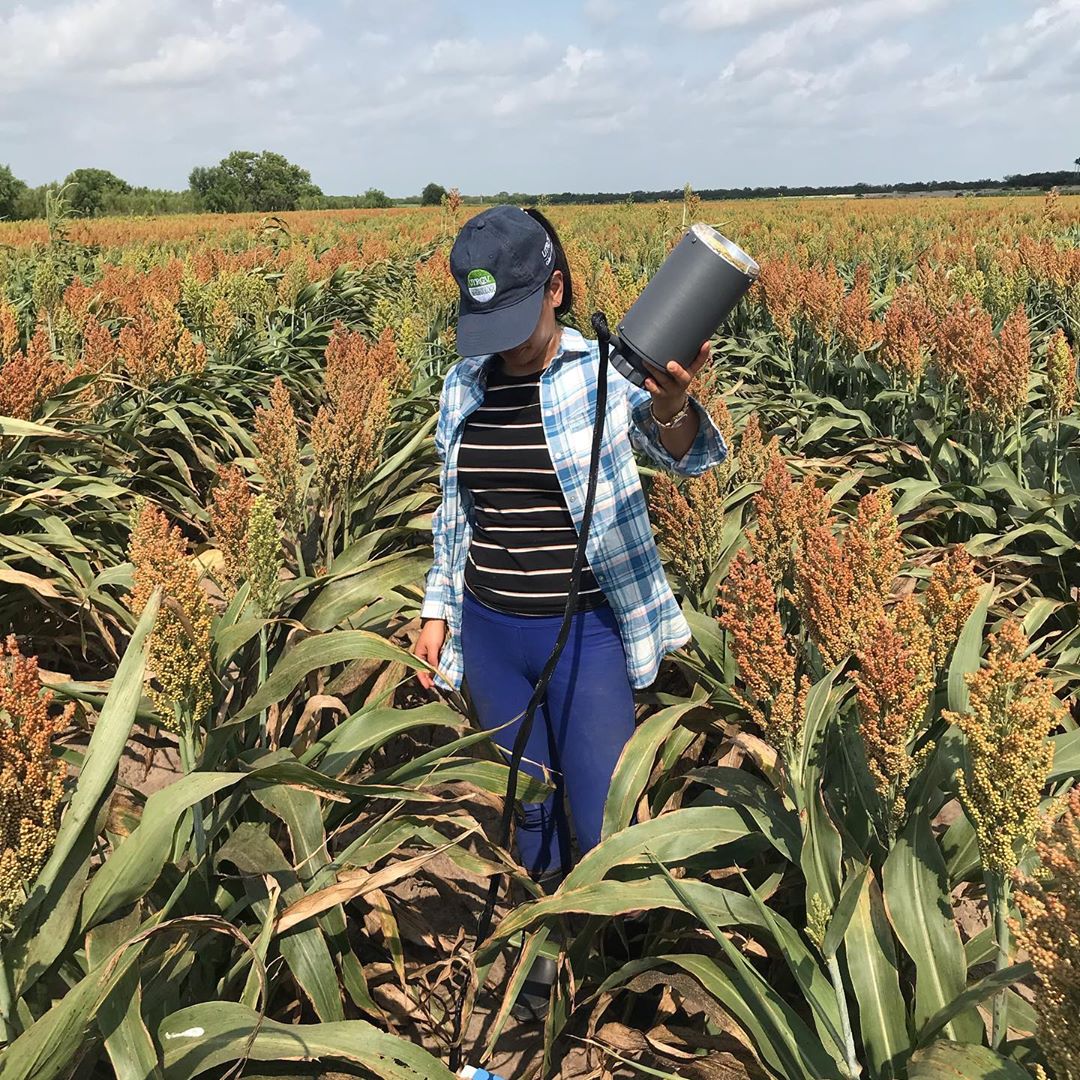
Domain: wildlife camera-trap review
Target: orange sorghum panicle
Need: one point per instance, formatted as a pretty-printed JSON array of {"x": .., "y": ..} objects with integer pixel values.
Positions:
[
  {"x": 710, "y": 395},
  {"x": 179, "y": 655},
  {"x": 1050, "y": 905},
  {"x": 78, "y": 301},
  {"x": 347, "y": 433},
  {"x": 872, "y": 546},
  {"x": 770, "y": 542},
  {"x": 279, "y": 461},
  {"x": 842, "y": 586},
  {"x": 765, "y": 659},
  {"x": 950, "y": 598},
  {"x": 785, "y": 514},
  {"x": 755, "y": 455},
  {"x": 856, "y": 327},
  {"x": 689, "y": 522},
  {"x": 31, "y": 777},
  {"x": 1012, "y": 710},
  {"x": 29, "y": 380},
  {"x": 229, "y": 509},
  {"x": 906, "y": 329},
  {"x": 894, "y": 681},
  {"x": 824, "y": 594},
  {"x": 98, "y": 347},
  {"x": 823, "y": 298},
  {"x": 782, "y": 284},
  {"x": 963, "y": 341},
  {"x": 933, "y": 285},
  {"x": 999, "y": 390}
]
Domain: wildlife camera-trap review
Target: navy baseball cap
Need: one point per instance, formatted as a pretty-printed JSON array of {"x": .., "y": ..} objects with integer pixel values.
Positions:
[{"x": 502, "y": 260}]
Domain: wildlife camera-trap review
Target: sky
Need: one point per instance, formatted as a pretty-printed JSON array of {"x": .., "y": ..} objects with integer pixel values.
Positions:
[{"x": 561, "y": 95}]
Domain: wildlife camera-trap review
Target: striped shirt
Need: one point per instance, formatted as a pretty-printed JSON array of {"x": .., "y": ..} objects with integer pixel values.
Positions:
[
  {"x": 621, "y": 549},
  {"x": 523, "y": 538}
]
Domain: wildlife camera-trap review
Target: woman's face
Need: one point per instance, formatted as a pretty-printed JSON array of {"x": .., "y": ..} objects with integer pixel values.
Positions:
[{"x": 536, "y": 352}]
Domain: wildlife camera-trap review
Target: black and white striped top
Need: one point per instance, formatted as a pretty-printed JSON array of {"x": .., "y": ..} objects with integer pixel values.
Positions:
[{"x": 523, "y": 535}]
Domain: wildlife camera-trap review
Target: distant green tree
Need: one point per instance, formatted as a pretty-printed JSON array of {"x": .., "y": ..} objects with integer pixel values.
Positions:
[
  {"x": 143, "y": 200},
  {"x": 432, "y": 195},
  {"x": 244, "y": 180},
  {"x": 30, "y": 203},
  {"x": 1076, "y": 162},
  {"x": 94, "y": 191},
  {"x": 374, "y": 199},
  {"x": 11, "y": 188}
]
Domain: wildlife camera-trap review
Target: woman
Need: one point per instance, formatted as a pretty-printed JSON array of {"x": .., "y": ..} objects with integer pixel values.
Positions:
[{"x": 514, "y": 435}]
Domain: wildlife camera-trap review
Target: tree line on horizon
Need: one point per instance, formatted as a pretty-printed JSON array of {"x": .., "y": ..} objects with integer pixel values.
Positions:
[{"x": 268, "y": 182}]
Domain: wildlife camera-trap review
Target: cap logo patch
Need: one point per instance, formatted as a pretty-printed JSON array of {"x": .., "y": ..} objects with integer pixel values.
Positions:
[
  {"x": 548, "y": 250},
  {"x": 481, "y": 285}
]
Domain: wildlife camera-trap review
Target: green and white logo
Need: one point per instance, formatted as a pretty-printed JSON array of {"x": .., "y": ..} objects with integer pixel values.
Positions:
[{"x": 481, "y": 285}]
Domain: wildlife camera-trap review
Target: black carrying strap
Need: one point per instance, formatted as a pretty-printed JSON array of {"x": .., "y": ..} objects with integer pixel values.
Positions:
[{"x": 483, "y": 928}]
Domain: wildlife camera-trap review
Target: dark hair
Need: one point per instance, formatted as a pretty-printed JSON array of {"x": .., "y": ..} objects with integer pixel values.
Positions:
[{"x": 560, "y": 262}]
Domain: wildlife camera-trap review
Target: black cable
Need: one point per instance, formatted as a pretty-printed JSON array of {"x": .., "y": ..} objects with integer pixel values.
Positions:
[{"x": 483, "y": 928}]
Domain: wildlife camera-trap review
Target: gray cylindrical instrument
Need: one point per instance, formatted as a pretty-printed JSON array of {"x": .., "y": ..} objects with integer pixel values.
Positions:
[{"x": 698, "y": 285}]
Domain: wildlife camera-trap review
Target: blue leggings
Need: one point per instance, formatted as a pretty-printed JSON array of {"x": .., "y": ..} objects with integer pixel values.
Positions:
[{"x": 580, "y": 729}]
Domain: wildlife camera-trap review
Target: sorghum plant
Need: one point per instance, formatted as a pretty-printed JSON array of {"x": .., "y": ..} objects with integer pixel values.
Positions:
[
  {"x": 179, "y": 657},
  {"x": 229, "y": 512},
  {"x": 1049, "y": 902},
  {"x": 894, "y": 682},
  {"x": 765, "y": 656},
  {"x": 1012, "y": 711},
  {"x": 31, "y": 777},
  {"x": 279, "y": 461}
]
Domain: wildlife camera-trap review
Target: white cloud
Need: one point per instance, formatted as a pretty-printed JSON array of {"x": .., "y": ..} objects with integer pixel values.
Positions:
[
  {"x": 948, "y": 88},
  {"x": 821, "y": 34},
  {"x": 571, "y": 82},
  {"x": 577, "y": 60},
  {"x": 39, "y": 42},
  {"x": 782, "y": 91},
  {"x": 134, "y": 43},
  {"x": 601, "y": 11},
  {"x": 723, "y": 14},
  {"x": 475, "y": 57},
  {"x": 1051, "y": 31}
]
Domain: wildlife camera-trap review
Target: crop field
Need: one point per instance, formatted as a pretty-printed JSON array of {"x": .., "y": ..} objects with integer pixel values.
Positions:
[{"x": 235, "y": 833}]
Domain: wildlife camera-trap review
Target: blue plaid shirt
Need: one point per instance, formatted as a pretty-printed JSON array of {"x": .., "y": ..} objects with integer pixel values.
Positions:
[{"x": 621, "y": 550}]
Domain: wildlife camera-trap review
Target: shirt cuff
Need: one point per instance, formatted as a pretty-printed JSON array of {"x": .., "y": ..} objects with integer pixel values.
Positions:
[
  {"x": 705, "y": 452},
  {"x": 433, "y": 608}
]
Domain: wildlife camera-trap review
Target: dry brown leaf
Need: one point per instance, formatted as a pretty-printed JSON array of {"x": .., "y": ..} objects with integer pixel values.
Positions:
[
  {"x": 391, "y": 675},
  {"x": 759, "y": 751},
  {"x": 315, "y": 704},
  {"x": 31, "y": 581},
  {"x": 354, "y": 883},
  {"x": 354, "y": 676}
]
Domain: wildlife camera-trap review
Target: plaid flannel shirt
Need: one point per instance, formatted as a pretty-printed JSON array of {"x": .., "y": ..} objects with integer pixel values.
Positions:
[{"x": 621, "y": 550}]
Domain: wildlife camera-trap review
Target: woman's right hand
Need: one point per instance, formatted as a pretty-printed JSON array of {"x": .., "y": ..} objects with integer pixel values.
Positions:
[{"x": 428, "y": 645}]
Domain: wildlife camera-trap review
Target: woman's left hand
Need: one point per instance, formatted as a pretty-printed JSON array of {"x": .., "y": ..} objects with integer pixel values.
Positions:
[{"x": 670, "y": 390}]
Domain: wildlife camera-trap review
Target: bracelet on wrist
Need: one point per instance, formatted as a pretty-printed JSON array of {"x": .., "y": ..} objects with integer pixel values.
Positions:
[{"x": 676, "y": 420}]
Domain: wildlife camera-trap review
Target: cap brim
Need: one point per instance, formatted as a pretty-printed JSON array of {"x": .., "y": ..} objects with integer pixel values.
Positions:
[{"x": 483, "y": 332}]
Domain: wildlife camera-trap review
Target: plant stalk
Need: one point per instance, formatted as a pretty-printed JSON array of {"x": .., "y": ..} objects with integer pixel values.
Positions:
[
  {"x": 262, "y": 679},
  {"x": 1019, "y": 454},
  {"x": 1055, "y": 430},
  {"x": 187, "y": 763},
  {"x": 7, "y": 1011},
  {"x": 1000, "y": 901},
  {"x": 854, "y": 1069}
]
